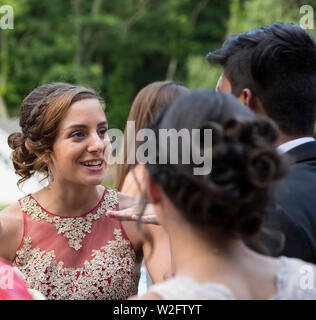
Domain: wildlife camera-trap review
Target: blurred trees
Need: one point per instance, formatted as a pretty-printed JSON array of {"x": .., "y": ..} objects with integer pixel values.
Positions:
[
  {"x": 245, "y": 15},
  {"x": 118, "y": 47},
  {"x": 249, "y": 14}
]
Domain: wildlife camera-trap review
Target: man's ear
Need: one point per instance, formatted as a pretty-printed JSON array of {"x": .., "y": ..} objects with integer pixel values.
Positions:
[
  {"x": 153, "y": 190},
  {"x": 248, "y": 98}
]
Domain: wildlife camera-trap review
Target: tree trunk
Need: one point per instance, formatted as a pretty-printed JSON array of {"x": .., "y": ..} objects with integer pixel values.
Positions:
[
  {"x": 172, "y": 68},
  {"x": 3, "y": 73},
  {"x": 197, "y": 10},
  {"x": 3, "y": 109}
]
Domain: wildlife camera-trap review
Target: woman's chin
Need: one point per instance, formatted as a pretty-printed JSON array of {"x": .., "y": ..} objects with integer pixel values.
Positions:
[{"x": 93, "y": 180}]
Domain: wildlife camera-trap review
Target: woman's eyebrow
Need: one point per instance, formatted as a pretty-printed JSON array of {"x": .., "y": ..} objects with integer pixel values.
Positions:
[
  {"x": 103, "y": 123},
  {"x": 83, "y": 126},
  {"x": 76, "y": 126}
]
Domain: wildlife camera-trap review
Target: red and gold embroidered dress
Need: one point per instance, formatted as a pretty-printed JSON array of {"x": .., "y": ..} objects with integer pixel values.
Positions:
[{"x": 86, "y": 257}]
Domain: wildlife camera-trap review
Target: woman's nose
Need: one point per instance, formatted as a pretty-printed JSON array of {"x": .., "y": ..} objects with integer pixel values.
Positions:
[{"x": 96, "y": 143}]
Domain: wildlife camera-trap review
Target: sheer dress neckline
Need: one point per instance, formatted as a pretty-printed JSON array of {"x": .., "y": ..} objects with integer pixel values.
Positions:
[
  {"x": 70, "y": 217},
  {"x": 76, "y": 228}
]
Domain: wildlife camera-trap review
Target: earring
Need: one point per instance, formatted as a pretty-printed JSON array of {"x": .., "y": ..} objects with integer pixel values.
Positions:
[{"x": 50, "y": 176}]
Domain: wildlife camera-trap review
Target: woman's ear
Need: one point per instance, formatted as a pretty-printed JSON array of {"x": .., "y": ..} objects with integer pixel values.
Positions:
[{"x": 153, "y": 190}]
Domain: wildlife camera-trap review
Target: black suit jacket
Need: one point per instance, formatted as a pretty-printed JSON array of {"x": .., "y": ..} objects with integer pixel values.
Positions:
[{"x": 295, "y": 215}]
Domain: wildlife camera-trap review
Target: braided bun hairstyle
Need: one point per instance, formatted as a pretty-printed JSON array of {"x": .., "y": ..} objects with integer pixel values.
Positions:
[
  {"x": 40, "y": 114},
  {"x": 233, "y": 198}
]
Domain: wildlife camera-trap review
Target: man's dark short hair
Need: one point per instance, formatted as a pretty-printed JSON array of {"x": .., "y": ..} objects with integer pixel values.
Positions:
[{"x": 278, "y": 64}]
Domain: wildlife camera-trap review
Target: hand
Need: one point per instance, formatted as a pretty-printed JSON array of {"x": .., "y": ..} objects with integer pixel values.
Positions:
[{"x": 132, "y": 214}]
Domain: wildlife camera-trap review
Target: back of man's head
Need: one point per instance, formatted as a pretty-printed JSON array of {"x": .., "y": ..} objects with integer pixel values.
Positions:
[{"x": 278, "y": 64}]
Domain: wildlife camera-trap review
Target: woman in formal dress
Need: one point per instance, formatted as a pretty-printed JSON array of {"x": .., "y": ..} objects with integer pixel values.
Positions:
[
  {"x": 210, "y": 215},
  {"x": 61, "y": 237},
  {"x": 129, "y": 179}
]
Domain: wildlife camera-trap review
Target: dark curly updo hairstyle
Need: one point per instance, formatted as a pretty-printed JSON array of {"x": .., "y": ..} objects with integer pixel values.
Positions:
[
  {"x": 232, "y": 199},
  {"x": 40, "y": 114}
]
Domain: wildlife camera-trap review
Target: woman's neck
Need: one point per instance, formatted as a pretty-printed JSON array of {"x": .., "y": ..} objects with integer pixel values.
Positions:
[
  {"x": 202, "y": 259},
  {"x": 71, "y": 200}
]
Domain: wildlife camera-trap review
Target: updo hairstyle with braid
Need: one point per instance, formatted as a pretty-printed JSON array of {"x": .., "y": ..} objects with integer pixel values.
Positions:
[
  {"x": 232, "y": 200},
  {"x": 40, "y": 114}
]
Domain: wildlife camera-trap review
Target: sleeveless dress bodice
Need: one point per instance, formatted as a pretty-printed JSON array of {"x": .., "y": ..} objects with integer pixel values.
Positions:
[{"x": 78, "y": 258}]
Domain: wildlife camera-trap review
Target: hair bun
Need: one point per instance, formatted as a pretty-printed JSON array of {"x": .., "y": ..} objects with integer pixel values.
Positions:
[
  {"x": 261, "y": 168},
  {"x": 265, "y": 129},
  {"x": 217, "y": 133},
  {"x": 233, "y": 198},
  {"x": 15, "y": 140}
]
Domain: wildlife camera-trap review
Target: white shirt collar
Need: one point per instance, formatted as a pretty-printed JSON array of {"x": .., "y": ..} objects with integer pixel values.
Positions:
[{"x": 285, "y": 147}]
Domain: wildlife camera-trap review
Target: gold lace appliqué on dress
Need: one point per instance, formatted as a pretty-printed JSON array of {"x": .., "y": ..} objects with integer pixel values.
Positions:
[
  {"x": 74, "y": 229},
  {"x": 110, "y": 274}
]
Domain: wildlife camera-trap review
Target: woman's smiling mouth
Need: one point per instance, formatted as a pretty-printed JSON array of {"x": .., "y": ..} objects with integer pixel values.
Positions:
[{"x": 93, "y": 164}]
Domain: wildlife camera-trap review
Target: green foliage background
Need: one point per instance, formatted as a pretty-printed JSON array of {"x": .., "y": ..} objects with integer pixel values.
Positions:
[{"x": 118, "y": 47}]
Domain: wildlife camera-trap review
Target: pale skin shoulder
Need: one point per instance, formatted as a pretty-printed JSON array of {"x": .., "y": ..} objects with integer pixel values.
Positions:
[
  {"x": 147, "y": 296},
  {"x": 11, "y": 231}
]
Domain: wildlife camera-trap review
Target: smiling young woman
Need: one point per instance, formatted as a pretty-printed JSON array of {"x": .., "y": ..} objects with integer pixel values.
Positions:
[
  {"x": 78, "y": 151},
  {"x": 61, "y": 237}
]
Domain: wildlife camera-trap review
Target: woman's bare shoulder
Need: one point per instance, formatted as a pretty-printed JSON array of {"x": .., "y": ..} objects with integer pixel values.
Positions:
[
  {"x": 126, "y": 200},
  {"x": 11, "y": 230},
  {"x": 134, "y": 182},
  {"x": 147, "y": 296},
  {"x": 12, "y": 213}
]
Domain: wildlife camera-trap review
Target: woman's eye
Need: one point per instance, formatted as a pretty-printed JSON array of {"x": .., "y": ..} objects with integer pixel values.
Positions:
[
  {"x": 103, "y": 131},
  {"x": 77, "y": 134}
]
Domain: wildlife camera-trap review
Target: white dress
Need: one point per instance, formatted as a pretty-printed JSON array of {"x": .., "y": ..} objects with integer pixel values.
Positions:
[{"x": 296, "y": 280}]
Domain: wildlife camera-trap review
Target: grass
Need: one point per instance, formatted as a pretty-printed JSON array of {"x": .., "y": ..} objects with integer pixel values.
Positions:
[
  {"x": 3, "y": 206},
  {"x": 107, "y": 183}
]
